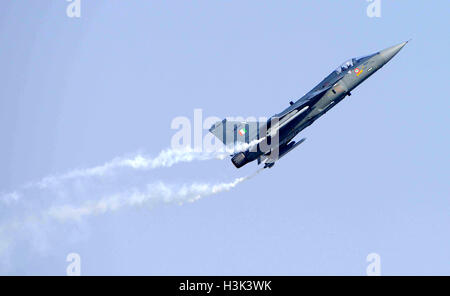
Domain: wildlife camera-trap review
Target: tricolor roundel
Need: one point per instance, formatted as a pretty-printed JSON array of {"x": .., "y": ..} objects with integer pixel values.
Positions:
[
  {"x": 359, "y": 71},
  {"x": 242, "y": 131}
]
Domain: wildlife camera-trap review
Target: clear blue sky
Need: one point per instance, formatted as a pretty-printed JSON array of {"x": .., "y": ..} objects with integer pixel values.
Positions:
[{"x": 373, "y": 175}]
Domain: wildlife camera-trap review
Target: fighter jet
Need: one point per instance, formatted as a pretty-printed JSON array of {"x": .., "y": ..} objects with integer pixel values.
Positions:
[{"x": 270, "y": 140}]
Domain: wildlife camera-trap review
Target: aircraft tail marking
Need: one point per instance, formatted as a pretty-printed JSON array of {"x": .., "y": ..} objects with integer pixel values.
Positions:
[{"x": 233, "y": 132}]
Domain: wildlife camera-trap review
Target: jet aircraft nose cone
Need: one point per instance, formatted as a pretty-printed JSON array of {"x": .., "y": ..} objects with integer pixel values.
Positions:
[{"x": 390, "y": 52}]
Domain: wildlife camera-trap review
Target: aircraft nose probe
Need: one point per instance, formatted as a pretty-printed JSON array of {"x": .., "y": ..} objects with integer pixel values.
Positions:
[{"x": 390, "y": 52}]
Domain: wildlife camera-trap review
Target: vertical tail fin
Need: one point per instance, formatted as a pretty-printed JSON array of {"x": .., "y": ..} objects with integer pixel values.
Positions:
[{"x": 233, "y": 132}]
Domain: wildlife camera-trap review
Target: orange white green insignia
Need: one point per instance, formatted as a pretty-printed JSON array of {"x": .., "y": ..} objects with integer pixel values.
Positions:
[
  {"x": 242, "y": 131},
  {"x": 359, "y": 71}
]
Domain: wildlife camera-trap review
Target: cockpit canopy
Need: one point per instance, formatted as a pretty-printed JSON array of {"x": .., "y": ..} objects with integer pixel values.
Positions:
[{"x": 347, "y": 65}]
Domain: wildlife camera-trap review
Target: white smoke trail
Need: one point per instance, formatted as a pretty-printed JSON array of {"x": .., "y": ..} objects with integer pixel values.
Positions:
[
  {"x": 36, "y": 213},
  {"x": 166, "y": 158},
  {"x": 240, "y": 147},
  {"x": 35, "y": 223},
  {"x": 154, "y": 193}
]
